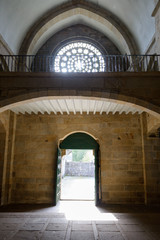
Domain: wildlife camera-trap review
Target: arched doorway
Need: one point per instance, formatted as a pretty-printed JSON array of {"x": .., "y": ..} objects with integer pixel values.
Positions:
[{"x": 78, "y": 141}]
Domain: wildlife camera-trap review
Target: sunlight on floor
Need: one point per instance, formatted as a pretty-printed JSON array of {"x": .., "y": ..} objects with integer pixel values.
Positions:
[{"x": 84, "y": 211}]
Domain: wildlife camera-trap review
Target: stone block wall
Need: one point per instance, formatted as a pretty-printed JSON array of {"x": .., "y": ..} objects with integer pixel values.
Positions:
[
  {"x": 35, "y": 160},
  {"x": 36, "y": 142},
  {"x": 152, "y": 145},
  {"x": 2, "y": 151},
  {"x": 79, "y": 169},
  {"x": 78, "y": 32},
  {"x": 152, "y": 156},
  {"x": 153, "y": 124},
  {"x": 129, "y": 160},
  {"x": 4, "y": 48},
  {"x": 121, "y": 160},
  {"x": 7, "y": 141},
  {"x": 156, "y": 14}
]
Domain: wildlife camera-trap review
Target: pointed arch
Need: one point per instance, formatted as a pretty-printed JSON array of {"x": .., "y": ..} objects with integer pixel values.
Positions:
[{"x": 56, "y": 18}]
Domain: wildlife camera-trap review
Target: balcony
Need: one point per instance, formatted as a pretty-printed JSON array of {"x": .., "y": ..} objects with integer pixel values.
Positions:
[
  {"x": 111, "y": 64},
  {"x": 124, "y": 78}
]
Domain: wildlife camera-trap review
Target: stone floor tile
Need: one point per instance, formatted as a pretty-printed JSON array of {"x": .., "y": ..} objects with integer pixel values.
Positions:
[
  {"x": 83, "y": 227},
  {"x": 130, "y": 216},
  {"x": 129, "y": 221},
  {"x": 33, "y": 215},
  {"x": 105, "y": 222},
  {"x": 79, "y": 235},
  {"x": 107, "y": 228},
  {"x": 32, "y": 226},
  {"x": 82, "y": 222},
  {"x": 4, "y": 235},
  {"x": 53, "y": 235},
  {"x": 111, "y": 235},
  {"x": 58, "y": 215},
  {"x": 52, "y": 215},
  {"x": 138, "y": 236},
  {"x": 155, "y": 235},
  {"x": 152, "y": 228},
  {"x": 56, "y": 227},
  {"x": 132, "y": 228},
  {"x": 37, "y": 220},
  {"x": 12, "y": 215},
  {"x": 58, "y": 220},
  {"x": 8, "y": 226},
  {"x": 140, "y": 225},
  {"x": 12, "y": 220},
  {"x": 27, "y": 235}
]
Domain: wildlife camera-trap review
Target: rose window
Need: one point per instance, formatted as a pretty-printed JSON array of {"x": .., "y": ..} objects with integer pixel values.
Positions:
[{"x": 79, "y": 57}]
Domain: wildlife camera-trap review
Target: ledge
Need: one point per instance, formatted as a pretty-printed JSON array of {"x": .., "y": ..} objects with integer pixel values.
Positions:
[{"x": 77, "y": 75}]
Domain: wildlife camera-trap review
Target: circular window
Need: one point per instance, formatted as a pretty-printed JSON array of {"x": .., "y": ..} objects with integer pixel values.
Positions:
[{"x": 79, "y": 57}]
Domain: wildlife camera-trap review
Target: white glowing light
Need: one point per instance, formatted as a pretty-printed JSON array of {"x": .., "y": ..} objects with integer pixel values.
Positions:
[
  {"x": 79, "y": 57},
  {"x": 84, "y": 211}
]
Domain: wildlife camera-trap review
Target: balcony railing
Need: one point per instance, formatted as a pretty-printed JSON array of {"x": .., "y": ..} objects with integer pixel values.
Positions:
[{"x": 112, "y": 63}]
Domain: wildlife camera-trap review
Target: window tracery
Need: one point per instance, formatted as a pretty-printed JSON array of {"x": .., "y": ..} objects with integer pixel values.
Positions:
[{"x": 79, "y": 57}]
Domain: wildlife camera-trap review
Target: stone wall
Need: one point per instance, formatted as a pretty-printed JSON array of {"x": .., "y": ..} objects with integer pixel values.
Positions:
[
  {"x": 4, "y": 48},
  {"x": 152, "y": 155},
  {"x": 129, "y": 160},
  {"x": 153, "y": 124},
  {"x": 2, "y": 151},
  {"x": 7, "y": 128},
  {"x": 36, "y": 142},
  {"x": 78, "y": 32},
  {"x": 156, "y": 14},
  {"x": 79, "y": 169}
]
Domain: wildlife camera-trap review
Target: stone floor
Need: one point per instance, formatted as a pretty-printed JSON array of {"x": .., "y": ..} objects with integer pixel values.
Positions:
[{"x": 79, "y": 221}]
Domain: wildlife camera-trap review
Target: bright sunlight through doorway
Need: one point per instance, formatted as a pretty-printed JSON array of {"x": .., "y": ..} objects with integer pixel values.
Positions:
[{"x": 78, "y": 175}]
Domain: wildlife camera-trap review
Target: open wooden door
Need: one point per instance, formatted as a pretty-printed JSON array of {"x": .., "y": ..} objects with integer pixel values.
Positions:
[
  {"x": 97, "y": 176},
  {"x": 58, "y": 177}
]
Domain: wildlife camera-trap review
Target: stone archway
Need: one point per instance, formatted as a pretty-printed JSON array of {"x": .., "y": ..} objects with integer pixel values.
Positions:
[
  {"x": 112, "y": 97},
  {"x": 79, "y": 141},
  {"x": 78, "y": 32},
  {"x": 103, "y": 17}
]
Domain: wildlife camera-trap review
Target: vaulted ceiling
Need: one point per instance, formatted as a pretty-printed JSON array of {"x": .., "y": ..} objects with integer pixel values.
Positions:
[
  {"x": 25, "y": 25},
  {"x": 18, "y": 16}
]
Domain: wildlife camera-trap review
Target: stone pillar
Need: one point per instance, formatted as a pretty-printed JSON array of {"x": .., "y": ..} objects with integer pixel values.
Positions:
[
  {"x": 143, "y": 121},
  {"x": 8, "y": 158},
  {"x": 151, "y": 164}
]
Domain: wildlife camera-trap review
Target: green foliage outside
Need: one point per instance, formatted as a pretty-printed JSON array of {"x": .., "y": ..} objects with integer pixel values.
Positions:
[{"x": 82, "y": 156}]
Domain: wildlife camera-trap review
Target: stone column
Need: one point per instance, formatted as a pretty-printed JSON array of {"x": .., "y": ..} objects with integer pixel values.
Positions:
[
  {"x": 8, "y": 158},
  {"x": 143, "y": 123}
]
